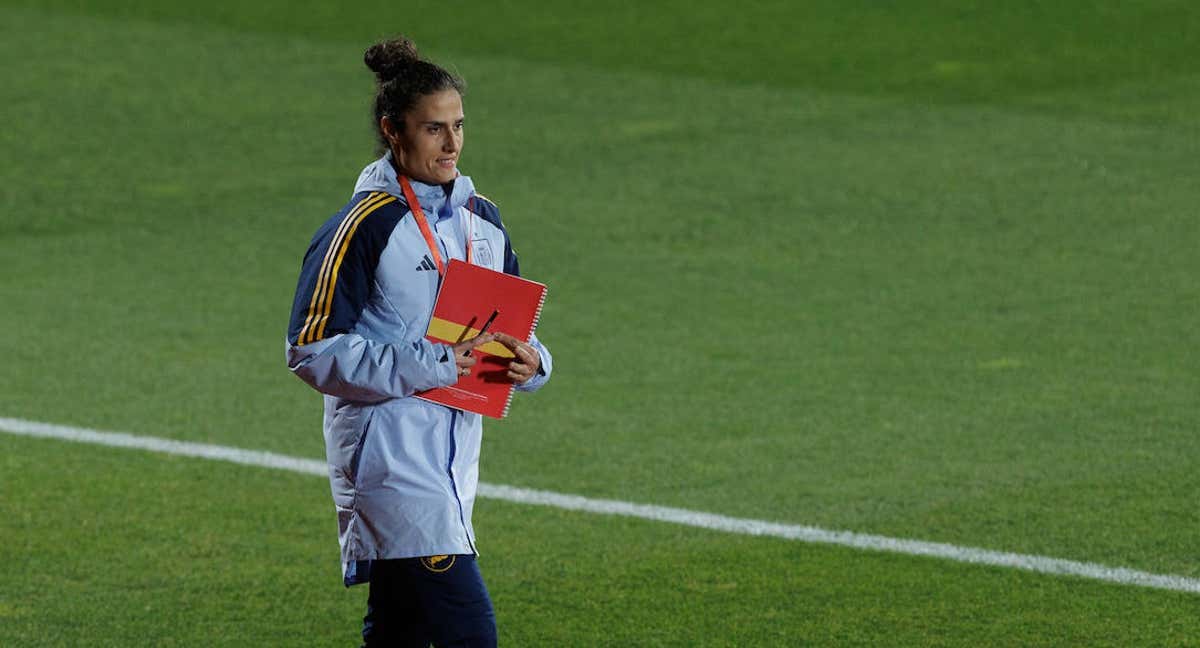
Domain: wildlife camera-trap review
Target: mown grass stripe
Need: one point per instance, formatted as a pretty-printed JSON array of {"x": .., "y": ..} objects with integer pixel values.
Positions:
[{"x": 700, "y": 519}]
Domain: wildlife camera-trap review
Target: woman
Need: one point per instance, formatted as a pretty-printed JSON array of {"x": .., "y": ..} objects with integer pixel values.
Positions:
[{"x": 403, "y": 470}]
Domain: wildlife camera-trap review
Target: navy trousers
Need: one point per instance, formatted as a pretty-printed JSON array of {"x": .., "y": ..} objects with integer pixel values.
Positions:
[{"x": 438, "y": 600}]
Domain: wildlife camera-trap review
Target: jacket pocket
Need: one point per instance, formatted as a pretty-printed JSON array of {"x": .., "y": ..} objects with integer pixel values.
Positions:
[{"x": 357, "y": 457}]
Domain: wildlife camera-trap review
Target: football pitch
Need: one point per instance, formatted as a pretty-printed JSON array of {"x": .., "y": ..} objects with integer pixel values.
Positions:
[{"x": 921, "y": 270}]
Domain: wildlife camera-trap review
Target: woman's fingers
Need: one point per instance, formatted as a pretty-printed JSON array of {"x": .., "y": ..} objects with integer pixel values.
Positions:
[
  {"x": 526, "y": 362},
  {"x": 523, "y": 351},
  {"x": 524, "y": 365}
]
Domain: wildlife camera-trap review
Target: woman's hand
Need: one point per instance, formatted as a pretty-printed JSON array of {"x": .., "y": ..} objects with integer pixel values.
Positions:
[
  {"x": 464, "y": 361},
  {"x": 527, "y": 362}
]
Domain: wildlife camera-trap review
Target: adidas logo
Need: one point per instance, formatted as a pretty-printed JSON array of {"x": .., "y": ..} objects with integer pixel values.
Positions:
[{"x": 426, "y": 264}]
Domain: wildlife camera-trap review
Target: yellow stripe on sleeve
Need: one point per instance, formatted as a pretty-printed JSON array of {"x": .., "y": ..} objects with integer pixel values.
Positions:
[
  {"x": 323, "y": 319},
  {"x": 323, "y": 277}
]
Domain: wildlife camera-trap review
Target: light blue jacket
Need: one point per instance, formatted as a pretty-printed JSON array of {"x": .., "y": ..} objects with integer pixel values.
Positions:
[{"x": 403, "y": 471}]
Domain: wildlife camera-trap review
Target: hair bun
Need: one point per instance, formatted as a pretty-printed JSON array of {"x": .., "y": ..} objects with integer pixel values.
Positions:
[{"x": 389, "y": 59}]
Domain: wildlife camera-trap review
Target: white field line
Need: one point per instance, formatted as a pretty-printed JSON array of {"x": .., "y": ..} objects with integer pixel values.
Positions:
[{"x": 1041, "y": 564}]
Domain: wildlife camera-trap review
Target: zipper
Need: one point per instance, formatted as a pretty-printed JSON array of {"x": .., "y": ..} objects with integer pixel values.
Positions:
[{"x": 462, "y": 517}]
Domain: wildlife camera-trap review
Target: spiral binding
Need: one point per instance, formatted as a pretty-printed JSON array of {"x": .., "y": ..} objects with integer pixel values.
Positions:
[{"x": 537, "y": 316}]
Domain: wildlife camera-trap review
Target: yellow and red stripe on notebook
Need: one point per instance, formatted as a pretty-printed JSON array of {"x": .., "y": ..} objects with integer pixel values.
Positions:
[{"x": 447, "y": 332}]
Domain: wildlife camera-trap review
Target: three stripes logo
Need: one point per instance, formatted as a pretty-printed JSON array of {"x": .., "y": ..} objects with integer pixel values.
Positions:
[{"x": 426, "y": 264}]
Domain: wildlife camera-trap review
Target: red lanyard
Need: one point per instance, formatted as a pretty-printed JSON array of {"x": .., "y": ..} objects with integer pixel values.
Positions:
[{"x": 419, "y": 216}]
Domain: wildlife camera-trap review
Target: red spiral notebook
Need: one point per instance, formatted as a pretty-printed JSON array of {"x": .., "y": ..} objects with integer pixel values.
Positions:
[{"x": 468, "y": 297}]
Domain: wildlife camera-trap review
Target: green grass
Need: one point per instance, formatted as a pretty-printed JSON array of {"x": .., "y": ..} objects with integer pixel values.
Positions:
[
  {"x": 933, "y": 283},
  {"x": 1013, "y": 52},
  {"x": 136, "y": 548}
]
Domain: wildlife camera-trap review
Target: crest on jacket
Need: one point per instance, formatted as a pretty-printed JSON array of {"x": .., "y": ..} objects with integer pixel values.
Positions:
[{"x": 481, "y": 250}]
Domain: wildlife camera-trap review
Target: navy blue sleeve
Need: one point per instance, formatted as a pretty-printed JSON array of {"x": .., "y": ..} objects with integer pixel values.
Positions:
[
  {"x": 339, "y": 267},
  {"x": 488, "y": 211}
]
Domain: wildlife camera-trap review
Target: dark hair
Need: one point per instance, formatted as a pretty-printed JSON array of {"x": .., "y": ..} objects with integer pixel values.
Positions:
[{"x": 403, "y": 78}]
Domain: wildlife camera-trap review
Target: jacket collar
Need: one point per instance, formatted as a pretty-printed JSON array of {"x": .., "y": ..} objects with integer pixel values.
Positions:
[{"x": 380, "y": 175}]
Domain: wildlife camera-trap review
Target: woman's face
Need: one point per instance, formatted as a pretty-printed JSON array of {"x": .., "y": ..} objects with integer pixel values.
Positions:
[{"x": 428, "y": 147}]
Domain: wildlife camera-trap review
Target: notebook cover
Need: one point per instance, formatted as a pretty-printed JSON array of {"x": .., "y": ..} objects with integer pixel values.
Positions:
[{"x": 467, "y": 297}]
